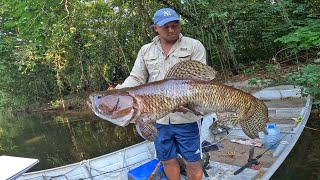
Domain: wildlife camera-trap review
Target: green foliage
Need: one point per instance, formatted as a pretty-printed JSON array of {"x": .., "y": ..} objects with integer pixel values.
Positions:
[
  {"x": 298, "y": 119},
  {"x": 317, "y": 60},
  {"x": 271, "y": 68},
  {"x": 309, "y": 78},
  {"x": 253, "y": 68},
  {"x": 275, "y": 73},
  {"x": 303, "y": 38},
  {"x": 257, "y": 81},
  {"x": 56, "y": 103}
]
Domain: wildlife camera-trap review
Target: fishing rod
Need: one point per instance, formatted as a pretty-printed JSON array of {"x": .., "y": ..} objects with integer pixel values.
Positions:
[{"x": 255, "y": 160}]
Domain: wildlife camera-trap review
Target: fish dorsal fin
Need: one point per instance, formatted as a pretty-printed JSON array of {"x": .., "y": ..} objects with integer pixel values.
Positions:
[{"x": 192, "y": 70}]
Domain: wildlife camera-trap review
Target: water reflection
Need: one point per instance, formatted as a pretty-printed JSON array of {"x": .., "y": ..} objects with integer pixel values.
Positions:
[
  {"x": 60, "y": 139},
  {"x": 303, "y": 161}
]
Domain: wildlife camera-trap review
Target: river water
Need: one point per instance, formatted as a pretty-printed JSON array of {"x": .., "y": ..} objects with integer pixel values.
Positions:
[
  {"x": 60, "y": 139},
  {"x": 303, "y": 161}
]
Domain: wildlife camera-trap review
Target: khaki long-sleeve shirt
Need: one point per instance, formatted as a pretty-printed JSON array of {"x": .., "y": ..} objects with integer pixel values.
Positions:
[{"x": 152, "y": 65}]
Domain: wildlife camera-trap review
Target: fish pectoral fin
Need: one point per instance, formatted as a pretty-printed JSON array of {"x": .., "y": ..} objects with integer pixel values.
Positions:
[
  {"x": 234, "y": 120},
  {"x": 231, "y": 117},
  {"x": 245, "y": 113},
  {"x": 147, "y": 130}
]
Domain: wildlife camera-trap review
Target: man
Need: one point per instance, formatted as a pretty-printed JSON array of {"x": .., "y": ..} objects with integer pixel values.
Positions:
[{"x": 178, "y": 133}]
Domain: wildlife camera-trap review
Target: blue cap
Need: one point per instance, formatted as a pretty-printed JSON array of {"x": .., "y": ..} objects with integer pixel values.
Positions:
[{"x": 165, "y": 15}]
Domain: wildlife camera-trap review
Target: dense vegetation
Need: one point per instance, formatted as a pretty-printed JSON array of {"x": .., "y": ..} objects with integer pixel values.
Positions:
[{"x": 52, "y": 51}]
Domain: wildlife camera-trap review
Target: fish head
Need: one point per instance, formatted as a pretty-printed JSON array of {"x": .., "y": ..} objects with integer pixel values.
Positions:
[{"x": 118, "y": 108}]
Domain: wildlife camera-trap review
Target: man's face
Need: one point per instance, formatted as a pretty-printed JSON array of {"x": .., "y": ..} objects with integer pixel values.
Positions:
[{"x": 169, "y": 32}]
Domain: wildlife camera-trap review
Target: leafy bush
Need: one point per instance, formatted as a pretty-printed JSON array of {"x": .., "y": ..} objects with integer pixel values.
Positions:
[
  {"x": 304, "y": 38},
  {"x": 309, "y": 78}
]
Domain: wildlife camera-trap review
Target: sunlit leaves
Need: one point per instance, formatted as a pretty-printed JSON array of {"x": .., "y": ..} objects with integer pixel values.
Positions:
[{"x": 303, "y": 38}]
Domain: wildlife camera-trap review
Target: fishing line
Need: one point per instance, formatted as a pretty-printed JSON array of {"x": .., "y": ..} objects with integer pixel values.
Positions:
[{"x": 312, "y": 128}]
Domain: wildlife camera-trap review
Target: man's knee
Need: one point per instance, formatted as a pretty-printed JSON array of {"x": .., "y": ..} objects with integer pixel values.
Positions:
[
  {"x": 194, "y": 170},
  {"x": 194, "y": 166},
  {"x": 170, "y": 162}
]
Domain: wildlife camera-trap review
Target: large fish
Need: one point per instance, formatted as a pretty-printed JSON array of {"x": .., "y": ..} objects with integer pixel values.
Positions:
[{"x": 147, "y": 103}]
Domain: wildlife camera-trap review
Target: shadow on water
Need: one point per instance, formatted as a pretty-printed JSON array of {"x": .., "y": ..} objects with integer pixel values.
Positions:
[
  {"x": 60, "y": 139},
  {"x": 303, "y": 161}
]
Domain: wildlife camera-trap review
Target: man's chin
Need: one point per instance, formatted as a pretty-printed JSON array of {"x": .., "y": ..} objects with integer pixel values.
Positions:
[{"x": 172, "y": 38}]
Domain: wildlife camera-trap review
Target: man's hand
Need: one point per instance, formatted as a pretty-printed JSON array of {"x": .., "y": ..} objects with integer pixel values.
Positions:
[{"x": 110, "y": 87}]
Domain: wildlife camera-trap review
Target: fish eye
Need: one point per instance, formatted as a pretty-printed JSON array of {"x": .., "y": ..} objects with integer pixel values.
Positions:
[{"x": 99, "y": 96}]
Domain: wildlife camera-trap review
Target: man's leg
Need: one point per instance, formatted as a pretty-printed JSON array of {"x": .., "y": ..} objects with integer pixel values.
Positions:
[
  {"x": 188, "y": 145},
  {"x": 172, "y": 169},
  {"x": 194, "y": 170},
  {"x": 166, "y": 151}
]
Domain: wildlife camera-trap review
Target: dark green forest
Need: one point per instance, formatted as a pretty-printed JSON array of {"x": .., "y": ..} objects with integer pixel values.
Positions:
[{"x": 54, "y": 53}]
